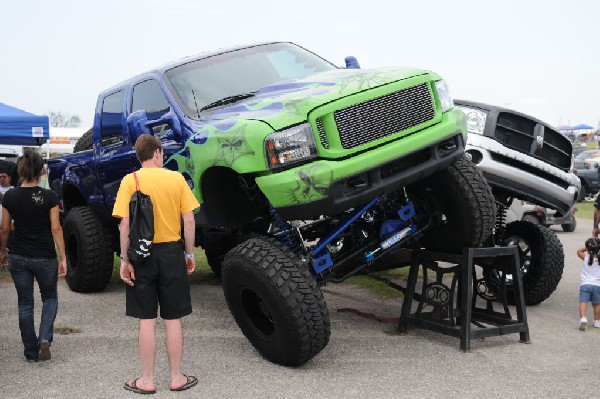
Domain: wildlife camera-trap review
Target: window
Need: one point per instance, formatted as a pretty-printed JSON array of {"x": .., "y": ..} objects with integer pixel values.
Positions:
[
  {"x": 111, "y": 125},
  {"x": 206, "y": 80},
  {"x": 148, "y": 96}
]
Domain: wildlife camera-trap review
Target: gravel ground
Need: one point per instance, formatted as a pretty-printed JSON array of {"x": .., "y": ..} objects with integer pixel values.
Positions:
[{"x": 365, "y": 358}]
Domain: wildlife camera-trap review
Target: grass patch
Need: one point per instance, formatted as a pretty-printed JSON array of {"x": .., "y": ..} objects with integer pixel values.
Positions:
[
  {"x": 202, "y": 274},
  {"x": 5, "y": 276},
  {"x": 67, "y": 330},
  {"x": 585, "y": 210},
  {"x": 379, "y": 287}
]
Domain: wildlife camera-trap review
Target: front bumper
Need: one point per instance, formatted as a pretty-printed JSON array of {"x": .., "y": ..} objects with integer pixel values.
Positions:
[
  {"x": 358, "y": 188},
  {"x": 523, "y": 176}
]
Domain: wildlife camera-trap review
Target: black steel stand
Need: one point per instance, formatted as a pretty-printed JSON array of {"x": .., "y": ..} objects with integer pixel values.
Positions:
[{"x": 452, "y": 310}]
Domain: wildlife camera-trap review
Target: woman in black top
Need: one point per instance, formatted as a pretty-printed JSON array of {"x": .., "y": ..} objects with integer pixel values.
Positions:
[{"x": 34, "y": 211}]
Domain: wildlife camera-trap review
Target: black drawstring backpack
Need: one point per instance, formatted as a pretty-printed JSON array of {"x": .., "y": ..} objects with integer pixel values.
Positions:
[{"x": 141, "y": 226}]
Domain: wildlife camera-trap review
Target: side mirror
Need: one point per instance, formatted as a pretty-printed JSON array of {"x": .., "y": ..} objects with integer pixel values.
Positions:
[
  {"x": 138, "y": 124},
  {"x": 352, "y": 62}
]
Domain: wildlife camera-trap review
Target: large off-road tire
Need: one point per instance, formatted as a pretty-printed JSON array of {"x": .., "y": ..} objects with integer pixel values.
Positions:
[
  {"x": 467, "y": 202},
  {"x": 541, "y": 260},
  {"x": 570, "y": 226},
  {"x": 85, "y": 142},
  {"x": 218, "y": 247},
  {"x": 275, "y": 301},
  {"x": 89, "y": 251}
]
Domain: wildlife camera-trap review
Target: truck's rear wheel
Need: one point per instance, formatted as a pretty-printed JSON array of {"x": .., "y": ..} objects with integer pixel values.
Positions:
[
  {"x": 467, "y": 203},
  {"x": 85, "y": 142},
  {"x": 89, "y": 251},
  {"x": 275, "y": 301},
  {"x": 541, "y": 259}
]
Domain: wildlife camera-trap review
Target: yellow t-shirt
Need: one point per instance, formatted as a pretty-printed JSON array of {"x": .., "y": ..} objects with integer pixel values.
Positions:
[{"x": 171, "y": 197}]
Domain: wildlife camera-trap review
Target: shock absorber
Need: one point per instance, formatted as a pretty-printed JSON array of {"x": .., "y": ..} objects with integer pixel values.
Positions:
[
  {"x": 501, "y": 210},
  {"x": 286, "y": 233}
]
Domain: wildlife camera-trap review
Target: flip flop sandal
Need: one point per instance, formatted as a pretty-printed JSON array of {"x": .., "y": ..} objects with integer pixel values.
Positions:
[
  {"x": 191, "y": 381},
  {"x": 134, "y": 388}
]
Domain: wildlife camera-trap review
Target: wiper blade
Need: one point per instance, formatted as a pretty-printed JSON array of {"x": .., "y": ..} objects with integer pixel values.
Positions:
[{"x": 229, "y": 100}]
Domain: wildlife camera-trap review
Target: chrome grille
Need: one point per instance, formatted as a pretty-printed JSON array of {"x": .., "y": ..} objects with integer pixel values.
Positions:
[
  {"x": 519, "y": 133},
  {"x": 322, "y": 135},
  {"x": 383, "y": 116}
]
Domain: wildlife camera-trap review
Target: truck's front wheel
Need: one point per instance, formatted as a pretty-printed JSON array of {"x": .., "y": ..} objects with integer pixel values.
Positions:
[
  {"x": 275, "y": 301},
  {"x": 467, "y": 203},
  {"x": 89, "y": 251}
]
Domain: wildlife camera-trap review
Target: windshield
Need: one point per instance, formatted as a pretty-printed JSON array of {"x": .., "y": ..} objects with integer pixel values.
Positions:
[{"x": 202, "y": 82}]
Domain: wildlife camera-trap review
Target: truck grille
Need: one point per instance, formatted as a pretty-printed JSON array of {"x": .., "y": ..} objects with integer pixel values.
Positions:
[
  {"x": 322, "y": 135},
  {"x": 521, "y": 134},
  {"x": 383, "y": 116}
]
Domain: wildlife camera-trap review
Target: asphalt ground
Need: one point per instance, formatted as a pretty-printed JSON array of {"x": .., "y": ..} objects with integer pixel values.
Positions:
[{"x": 364, "y": 359}]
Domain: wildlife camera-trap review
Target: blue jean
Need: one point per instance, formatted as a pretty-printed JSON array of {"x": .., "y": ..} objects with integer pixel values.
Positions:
[
  {"x": 589, "y": 293},
  {"x": 45, "y": 271}
]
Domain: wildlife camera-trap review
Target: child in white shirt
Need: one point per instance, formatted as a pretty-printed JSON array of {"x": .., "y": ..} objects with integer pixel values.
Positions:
[{"x": 589, "y": 289}]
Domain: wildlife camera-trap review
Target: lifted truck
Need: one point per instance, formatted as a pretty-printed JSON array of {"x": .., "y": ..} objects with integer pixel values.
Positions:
[
  {"x": 306, "y": 173},
  {"x": 525, "y": 159}
]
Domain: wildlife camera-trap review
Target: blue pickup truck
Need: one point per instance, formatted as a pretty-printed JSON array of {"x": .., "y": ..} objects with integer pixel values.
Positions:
[{"x": 306, "y": 173}]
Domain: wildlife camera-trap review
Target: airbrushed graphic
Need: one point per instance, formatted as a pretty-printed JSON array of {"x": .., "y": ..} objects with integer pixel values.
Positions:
[
  {"x": 363, "y": 81},
  {"x": 232, "y": 147},
  {"x": 228, "y": 136},
  {"x": 232, "y": 135},
  {"x": 311, "y": 184}
]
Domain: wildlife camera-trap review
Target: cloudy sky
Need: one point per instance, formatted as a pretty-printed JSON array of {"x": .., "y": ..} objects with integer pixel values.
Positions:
[{"x": 538, "y": 57}]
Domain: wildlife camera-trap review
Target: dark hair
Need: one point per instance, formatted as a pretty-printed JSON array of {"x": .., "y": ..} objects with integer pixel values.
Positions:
[
  {"x": 30, "y": 166},
  {"x": 593, "y": 247},
  {"x": 145, "y": 145}
]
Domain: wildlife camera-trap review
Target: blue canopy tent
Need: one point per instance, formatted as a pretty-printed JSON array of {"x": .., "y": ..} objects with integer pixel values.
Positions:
[
  {"x": 582, "y": 127},
  {"x": 18, "y": 127}
]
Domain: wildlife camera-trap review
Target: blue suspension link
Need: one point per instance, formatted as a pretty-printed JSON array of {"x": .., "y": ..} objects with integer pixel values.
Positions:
[{"x": 288, "y": 236}]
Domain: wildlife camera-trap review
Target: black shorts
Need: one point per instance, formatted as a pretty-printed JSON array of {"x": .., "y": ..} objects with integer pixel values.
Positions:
[{"x": 161, "y": 280}]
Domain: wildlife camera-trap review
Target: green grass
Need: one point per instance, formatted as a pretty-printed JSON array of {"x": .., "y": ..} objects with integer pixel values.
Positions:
[
  {"x": 202, "y": 274},
  {"x": 585, "y": 210},
  {"x": 379, "y": 287}
]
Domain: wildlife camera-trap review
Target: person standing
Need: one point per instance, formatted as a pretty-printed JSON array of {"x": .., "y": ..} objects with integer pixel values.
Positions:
[
  {"x": 162, "y": 280},
  {"x": 595, "y": 229},
  {"x": 589, "y": 290},
  {"x": 6, "y": 170},
  {"x": 31, "y": 245}
]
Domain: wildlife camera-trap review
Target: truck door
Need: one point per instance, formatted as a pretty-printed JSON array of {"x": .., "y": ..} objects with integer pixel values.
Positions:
[
  {"x": 114, "y": 155},
  {"x": 148, "y": 96}
]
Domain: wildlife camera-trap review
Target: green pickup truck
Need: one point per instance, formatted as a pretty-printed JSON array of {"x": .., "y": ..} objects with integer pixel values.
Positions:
[{"x": 306, "y": 173}]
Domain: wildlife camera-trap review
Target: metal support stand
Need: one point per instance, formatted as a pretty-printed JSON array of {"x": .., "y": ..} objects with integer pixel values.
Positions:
[{"x": 452, "y": 309}]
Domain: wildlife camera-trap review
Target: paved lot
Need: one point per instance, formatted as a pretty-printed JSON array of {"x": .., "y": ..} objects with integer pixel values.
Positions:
[{"x": 364, "y": 359}]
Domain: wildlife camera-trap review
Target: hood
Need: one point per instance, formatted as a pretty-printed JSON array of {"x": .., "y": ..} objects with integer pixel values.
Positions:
[{"x": 289, "y": 103}]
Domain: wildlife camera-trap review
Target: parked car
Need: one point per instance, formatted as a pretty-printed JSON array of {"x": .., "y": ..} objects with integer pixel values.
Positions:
[
  {"x": 583, "y": 160},
  {"x": 590, "y": 181},
  {"x": 578, "y": 149}
]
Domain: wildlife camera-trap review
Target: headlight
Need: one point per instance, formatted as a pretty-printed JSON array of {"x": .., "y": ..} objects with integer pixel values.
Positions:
[
  {"x": 291, "y": 145},
  {"x": 444, "y": 95},
  {"x": 475, "y": 119}
]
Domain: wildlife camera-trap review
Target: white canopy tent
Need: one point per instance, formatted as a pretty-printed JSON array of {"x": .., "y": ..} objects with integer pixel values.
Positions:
[{"x": 62, "y": 140}]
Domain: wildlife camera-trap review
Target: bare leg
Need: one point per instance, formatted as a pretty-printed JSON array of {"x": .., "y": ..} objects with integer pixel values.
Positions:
[
  {"x": 596, "y": 307},
  {"x": 147, "y": 347},
  {"x": 174, "y": 342},
  {"x": 582, "y": 309}
]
